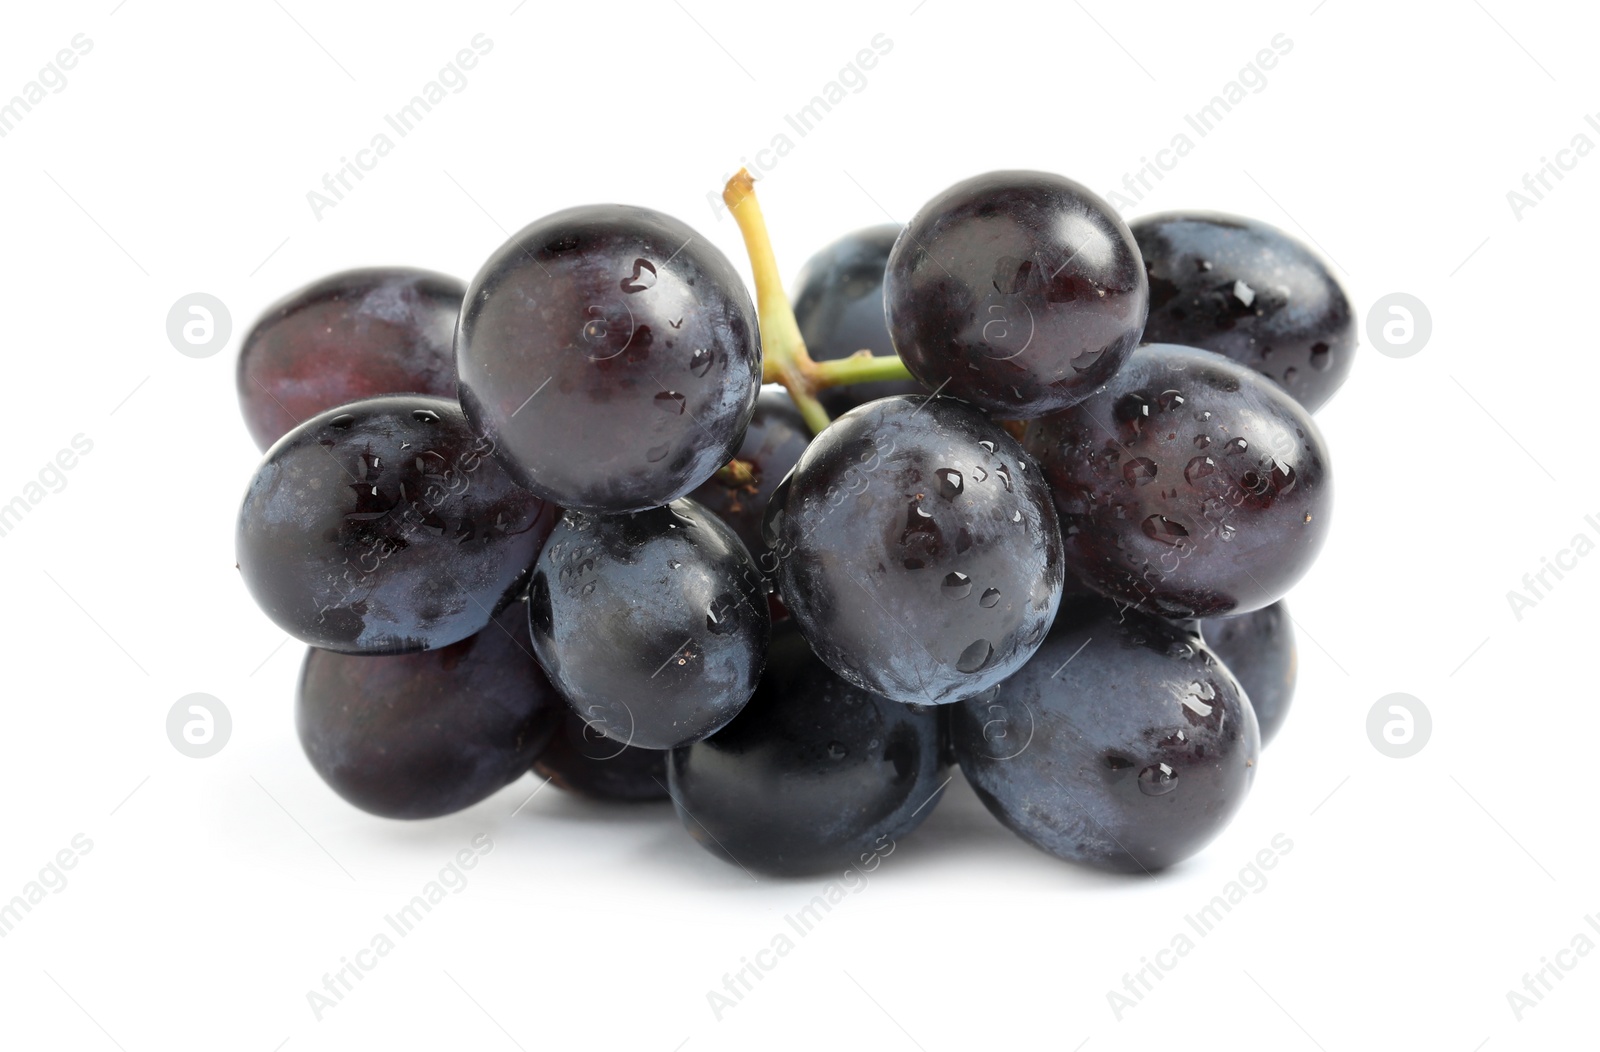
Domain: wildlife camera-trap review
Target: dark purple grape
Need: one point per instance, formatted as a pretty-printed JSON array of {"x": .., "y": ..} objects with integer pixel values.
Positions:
[
  {"x": 352, "y": 335},
  {"x": 1019, "y": 291},
  {"x": 384, "y": 527},
  {"x": 421, "y": 735},
  {"x": 1251, "y": 292},
  {"x": 838, "y": 302},
  {"x": 772, "y": 444},
  {"x": 918, "y": 549},
  {"x": 813, "y": 775},
  {"x": 1259, "y": 650},
  {"x": 579, "y": 759},
  {"x": 653, "y": 625},
  {"x": 1189, "y": 486},
  {"x": 612, "y": 355},
  {"x": 1124, "y": 744}
]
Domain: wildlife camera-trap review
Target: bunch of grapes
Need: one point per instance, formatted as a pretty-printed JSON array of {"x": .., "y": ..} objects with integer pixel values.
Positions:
[{"x": 1015, "y": 487}]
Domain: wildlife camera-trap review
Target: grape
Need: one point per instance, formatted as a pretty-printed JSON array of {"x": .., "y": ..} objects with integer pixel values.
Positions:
[
  {"x": 1258, "y": 649},
  {"x": 612, "y": 356},
  {"x": 919, "y": 550},
  {"x": 1124, "y": 744},
  {"x": 1021, "y": 292},
  {"x": 653, "y": 625},
  {"x": 838, "y": 302},
  {"x": 813, "y": 775},
  {"x": 1251, "y": 292},
  {"x": 422, "y": 735},
  {"x": 1188, "y": 486},
  {"x": 384, "y": 527},
  {"x": 348, "y": 336},
  {"x": 772, "y": 445},
  {"x": 581, "y": 760}
]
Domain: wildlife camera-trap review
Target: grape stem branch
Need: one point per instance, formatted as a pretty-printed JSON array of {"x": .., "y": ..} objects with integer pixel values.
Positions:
[{"x": 784, "y": 357}]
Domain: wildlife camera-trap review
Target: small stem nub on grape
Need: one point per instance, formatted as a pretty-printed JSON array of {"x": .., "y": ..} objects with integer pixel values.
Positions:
[{"x": 737, "y": 474}]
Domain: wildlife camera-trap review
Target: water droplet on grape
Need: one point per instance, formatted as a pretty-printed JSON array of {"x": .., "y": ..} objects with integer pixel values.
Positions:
[
  {"x": 1199, "y": 468},
  {"x": 1283, "y": 478},
  {"x": 1170, "y": 400},
  {"x": 979, "y": 475},
  {"x": 989, "y": 598},
  {"x": 837, "y": 751},
  {"x": 719, "y": 617},
  {"x": 1139, "y": 471},
  {"x": 1005, "y": 477},
  {"x": 975, "y": 656},
  {"x": 425, "y": 416},
  {"x": 655, "y": 453},
  {"x": 342, "y": 422},
  {"x": 670, "y": 402},
  {"x": 950, "y": 483},
  {"x": 1201, "y": 441},
  {"x": 988, "y": 447},
  {"x": 1132, "y": 410},
  {"x": 700, "y": 361},
  {"x": 1158, "y": 780},
  {"x": 1236, "y": 445},
  {"x": 1321, "y": 358},
  {"x": 1167, "y": 531},
  {"x": 957, "y": 585}
]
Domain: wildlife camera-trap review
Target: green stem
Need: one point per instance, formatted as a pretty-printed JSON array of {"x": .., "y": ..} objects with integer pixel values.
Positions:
[
  {"x": 860, "y": 368},
  {"x": 784, "y": 356}
]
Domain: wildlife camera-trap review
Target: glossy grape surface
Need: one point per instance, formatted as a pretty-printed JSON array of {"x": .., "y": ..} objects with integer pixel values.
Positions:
[
  {"x": 1124, "y": 744},
  {"x": 813, "y": 775},
  {"x": 1189, "y": 486},
  {"x": 1018, "y": 291},
  {"x": 579, "y": 759},
  {"x": 1251, "y": 292},
  {"x": 384, "y": 527},
  {"x": 653, "y": 625},
  {"x": 918, "y": 549},
  {"x": 838, "y": 302},
  {"x": 352, "y": 335},
  {"x": 1259, "y": 650},
  {"x": 772, "y": 444},
  {"x": 421, "y": 735},
  {"x": 612, "y": 355}
]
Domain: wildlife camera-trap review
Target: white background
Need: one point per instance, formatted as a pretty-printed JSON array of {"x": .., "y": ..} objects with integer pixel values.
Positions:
[{"x": 218, "y": 892}]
